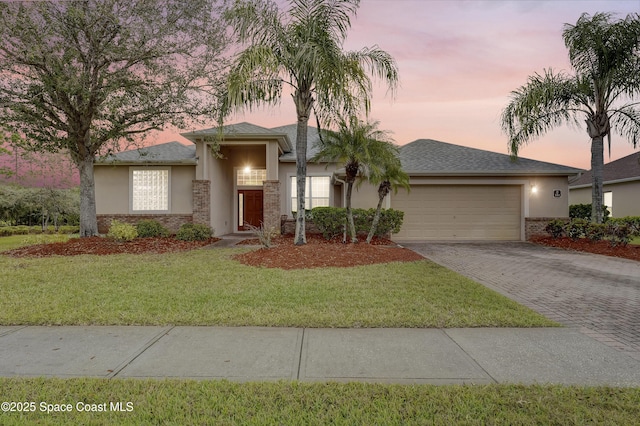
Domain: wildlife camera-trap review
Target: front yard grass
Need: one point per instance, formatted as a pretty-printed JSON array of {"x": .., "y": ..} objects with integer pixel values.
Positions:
[
  {"x": 296, "y": 403},
  {"x": 15, "y": 241},
  {"x": 207, "y": 287}
]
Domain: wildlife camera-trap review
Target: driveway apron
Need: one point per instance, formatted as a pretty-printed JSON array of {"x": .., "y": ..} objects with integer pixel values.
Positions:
[{"x": 599, "y": 295}]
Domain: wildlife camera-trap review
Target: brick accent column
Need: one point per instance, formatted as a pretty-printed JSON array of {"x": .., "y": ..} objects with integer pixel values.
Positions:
[
  {"x": 202, "y": 202},
  {"x": 534, "y": 226},
  {"x": 271, "y": 205}
]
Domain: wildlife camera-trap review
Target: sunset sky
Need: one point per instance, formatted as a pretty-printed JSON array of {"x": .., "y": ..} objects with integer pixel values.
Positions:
[{"x": 458, "y": 62}]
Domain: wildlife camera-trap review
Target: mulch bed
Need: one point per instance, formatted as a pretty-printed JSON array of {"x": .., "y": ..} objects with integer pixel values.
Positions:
[
  {"x": 105, "y": 246},
  {"x": 320, "y": 253},
  {"x": 598, "y": 247}
]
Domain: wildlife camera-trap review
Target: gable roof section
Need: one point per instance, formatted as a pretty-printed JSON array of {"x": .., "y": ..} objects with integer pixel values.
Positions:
[
  {"x": 291, "y": 130},
  {"x": 622, "y": 170},
  {"x": 166, "y": 153},
  {"x": 243, "y": 131},
  {"x": 429, "y": 157}
]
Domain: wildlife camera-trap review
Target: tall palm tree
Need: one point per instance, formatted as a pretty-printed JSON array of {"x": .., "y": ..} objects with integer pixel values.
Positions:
[
  {"x": 363, "y": 149},
  {"x": 391, "y": 177},
  {"x": 302, "y": 49},
  {"x": 605, "y": 58}
]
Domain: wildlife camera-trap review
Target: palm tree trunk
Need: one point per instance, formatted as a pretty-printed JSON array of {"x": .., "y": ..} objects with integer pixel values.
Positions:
[
  {"x": 352, "y": 226},
  {"x": 597, "y": 166},
  {"x": 304, "y": 102},
  {"x": 376, "y": 218}
]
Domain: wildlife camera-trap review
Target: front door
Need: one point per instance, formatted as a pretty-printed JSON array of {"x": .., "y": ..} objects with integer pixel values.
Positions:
[{"x": 249, "y": 208}]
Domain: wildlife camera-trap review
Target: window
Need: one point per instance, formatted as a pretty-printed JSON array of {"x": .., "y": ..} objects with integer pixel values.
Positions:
[
  {"x": 150, "y": 190},
  {"x": 252, "y": 177},
  {"x": 316, "y": 192},
  {"x": 608, "y": 201}
]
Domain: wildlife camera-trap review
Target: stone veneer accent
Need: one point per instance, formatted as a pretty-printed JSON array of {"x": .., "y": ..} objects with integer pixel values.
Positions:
[
  {"x": 202, "y": 202},
  {"x": 534, "y": 226},
  {"x": 170, "y": 221},
  {"x": 271, "y": 205}
]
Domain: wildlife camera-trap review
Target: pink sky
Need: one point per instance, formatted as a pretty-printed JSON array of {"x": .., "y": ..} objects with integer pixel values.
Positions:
[{"x": 458, "y": 62}]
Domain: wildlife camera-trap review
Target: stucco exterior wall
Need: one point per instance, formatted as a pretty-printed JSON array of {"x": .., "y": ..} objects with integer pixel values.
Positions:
[
  {"x": 625, "y": 197},
  {"x": 113, "y": 189},
  {"x": 545, "y": 202}
]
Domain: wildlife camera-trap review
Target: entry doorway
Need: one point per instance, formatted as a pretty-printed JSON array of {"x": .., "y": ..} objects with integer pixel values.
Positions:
[{"x": 250, "y": 208}]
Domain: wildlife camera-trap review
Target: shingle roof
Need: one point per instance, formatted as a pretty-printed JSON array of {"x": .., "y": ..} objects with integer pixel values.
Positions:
[
  {"x": 625, "y": 168},
  {"x": 430, "y": 157},
  {"x": 243, "y": 128},
  {"x": 170, "y": 152},
  {"x": 291, "y": 130}
]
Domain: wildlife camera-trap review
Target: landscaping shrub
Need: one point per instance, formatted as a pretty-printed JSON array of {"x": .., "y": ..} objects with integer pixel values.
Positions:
[
  {"x": 194, "y": 232},
  {"x": 595, "y": 231},
  {"x": 632, "y": 222},
  {"x": 583, "y": 211},
  {"x": 122, "y": 231},
  {"x": 619, "y": 233},
  {"x": 264, "y": 235},
  {"x": 331, "y": 221},
  {"x": 151, "y": 228},
  {"x": 577, "y": 228},
  {"x": 390, "y": 221},
  {"x": 555, "y": 228}
]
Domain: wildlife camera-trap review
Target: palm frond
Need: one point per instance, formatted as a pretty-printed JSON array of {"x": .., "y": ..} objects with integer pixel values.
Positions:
[
  {"x": 545, "y": 102},
  {"x": 626, "y": 122}
]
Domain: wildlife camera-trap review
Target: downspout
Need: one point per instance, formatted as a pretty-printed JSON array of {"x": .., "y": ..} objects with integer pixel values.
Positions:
[{"x": 344, "y": 202}]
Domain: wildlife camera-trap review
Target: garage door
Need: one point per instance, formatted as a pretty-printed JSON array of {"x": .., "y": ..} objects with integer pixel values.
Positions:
[{"x": 460, "y": 212}]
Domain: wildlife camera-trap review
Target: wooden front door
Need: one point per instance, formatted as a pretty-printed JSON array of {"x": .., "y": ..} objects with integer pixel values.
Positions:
[{"x": 249, "y": 208}]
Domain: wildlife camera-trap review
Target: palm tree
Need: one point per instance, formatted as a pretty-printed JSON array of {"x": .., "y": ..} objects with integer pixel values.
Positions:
[
  {"x": 302, "y": 50},
  {"x": 391, "y": 177},
  {"x": 363, "y": 149},
  {"x": 604, "y": 56}
]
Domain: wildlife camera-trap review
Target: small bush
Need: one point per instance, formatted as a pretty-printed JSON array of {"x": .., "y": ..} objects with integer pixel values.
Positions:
[
  {"x": 577, "y": 228},
  {"x": 194, "y": 232},
  {"x": 122, "y": 231},
  {"x": 555, "y": 228},
  {"x": 151, "y": 228},
  {"x": 330, "y": 220},
  {"x": 619, "y": 233},
  {"x": 595, "y": 231},
  {"x": 264, "y": 235},
  {"x": 583, "y": 211}
]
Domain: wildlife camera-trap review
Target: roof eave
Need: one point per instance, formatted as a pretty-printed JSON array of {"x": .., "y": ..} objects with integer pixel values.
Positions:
[
  {"x": 470, "y": 173},
  {"x": 283, "y": 140},
  {"x": 191, "y": 162},
  {"x": 608, "y": 182}
]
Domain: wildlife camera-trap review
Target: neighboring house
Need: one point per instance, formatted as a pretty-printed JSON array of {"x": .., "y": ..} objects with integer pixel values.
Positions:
[
  {"x": 621, "y": 186},
  {"x": 457, "y": 193}
]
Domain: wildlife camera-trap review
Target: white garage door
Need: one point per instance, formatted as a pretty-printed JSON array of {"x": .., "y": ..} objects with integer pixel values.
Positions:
[{"x": 460, "y": 212}]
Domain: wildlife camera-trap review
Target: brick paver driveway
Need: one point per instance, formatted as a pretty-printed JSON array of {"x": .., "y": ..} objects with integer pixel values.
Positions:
[{"x": 600, "y": 295}]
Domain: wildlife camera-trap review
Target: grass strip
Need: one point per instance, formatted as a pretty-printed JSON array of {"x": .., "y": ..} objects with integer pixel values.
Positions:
[
  {"x": 228, "y": 403},
  {"x": 207, "y": 287}
]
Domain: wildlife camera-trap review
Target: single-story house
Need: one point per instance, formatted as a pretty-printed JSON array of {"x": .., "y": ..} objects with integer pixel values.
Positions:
[
  {"x": 457, "y": 193},
  {"x": 620, "y": 186}
]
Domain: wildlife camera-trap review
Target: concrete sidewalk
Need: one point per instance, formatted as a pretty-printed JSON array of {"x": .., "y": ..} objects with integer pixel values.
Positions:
[{"x": 437, "y": 356}]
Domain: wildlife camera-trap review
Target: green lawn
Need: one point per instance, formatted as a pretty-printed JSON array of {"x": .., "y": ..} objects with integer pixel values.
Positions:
[
  {"x": 207, "y": 287},
  {"x": 15, "y": 241},
  {"x": 294, "y": 403}
]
